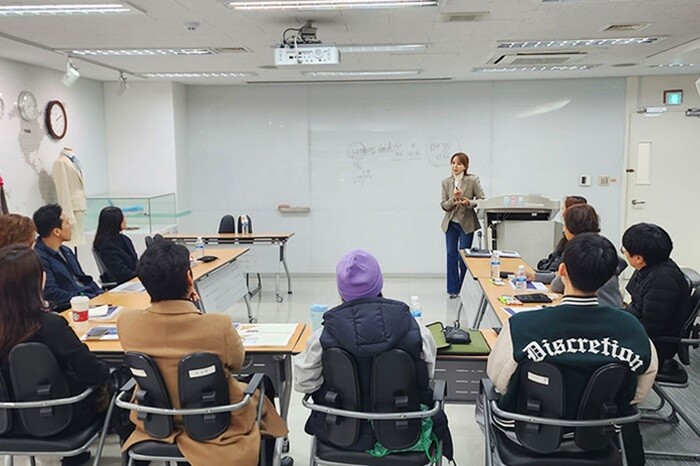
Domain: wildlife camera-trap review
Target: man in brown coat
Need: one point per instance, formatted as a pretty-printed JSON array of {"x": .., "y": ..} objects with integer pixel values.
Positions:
[{"x": 172, "y": 328}]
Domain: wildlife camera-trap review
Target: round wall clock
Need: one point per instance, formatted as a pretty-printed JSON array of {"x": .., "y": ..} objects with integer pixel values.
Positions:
[
  {"x": 56, "y": 119},
  {"x": 28, "y": 109}
]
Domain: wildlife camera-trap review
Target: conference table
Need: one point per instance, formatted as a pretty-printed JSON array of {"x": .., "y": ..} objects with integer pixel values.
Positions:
[
  {"x": 222, "y": 239},
  {"x": 464, "y": 372}
]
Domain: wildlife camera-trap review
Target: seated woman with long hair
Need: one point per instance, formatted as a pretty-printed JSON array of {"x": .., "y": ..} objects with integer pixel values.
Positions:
[
  {"x": 24, "y": 318},
  {"x": 115, "y": 249}
]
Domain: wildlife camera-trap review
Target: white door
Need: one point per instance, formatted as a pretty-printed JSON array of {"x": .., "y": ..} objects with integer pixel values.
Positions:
[{"x": 663, "y": 180}]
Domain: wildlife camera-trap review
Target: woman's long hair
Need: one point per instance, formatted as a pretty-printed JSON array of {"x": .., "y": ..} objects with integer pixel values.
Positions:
[
  {"x": 569, "y": 201},
  {"x": 21, "y": 303},
  {"x": 109, "y": 224}
]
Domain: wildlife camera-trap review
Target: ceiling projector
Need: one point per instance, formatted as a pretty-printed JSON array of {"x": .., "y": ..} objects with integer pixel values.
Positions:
[{"x": 303, "y": 54}]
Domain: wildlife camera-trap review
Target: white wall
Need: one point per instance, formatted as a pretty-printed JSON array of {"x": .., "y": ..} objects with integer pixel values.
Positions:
[
  {"x": 252, "y": 148},
  {"x": 28, "y": 152},
  {"x": 140, "y": 139}
]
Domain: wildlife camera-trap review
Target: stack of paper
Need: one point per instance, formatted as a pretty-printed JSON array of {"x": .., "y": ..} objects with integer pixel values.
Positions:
[
  {"x": 514, "y": 310},
  {"x": 265, "y": 334},
  {"x": 104, "y": 312},
  {"x": 129, "y": 287}
]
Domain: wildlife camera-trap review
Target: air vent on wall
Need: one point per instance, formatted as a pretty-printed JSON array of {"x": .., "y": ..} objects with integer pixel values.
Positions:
[
  {"x": 626, "y": 27},
  {"x": 463, "y": 17},
  {"x": 531, "y": 59},
  {"x": 231, "y": 50}
]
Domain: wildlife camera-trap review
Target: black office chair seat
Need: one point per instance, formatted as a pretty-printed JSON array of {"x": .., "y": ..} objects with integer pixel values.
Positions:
[
  {"x": 60, "y": 442},
  {"x": 330, "y": 453},
  {"x": 672, "y": 372},
  {"x": 513, "y": 454},
  {"x": 156, "y": 449}
]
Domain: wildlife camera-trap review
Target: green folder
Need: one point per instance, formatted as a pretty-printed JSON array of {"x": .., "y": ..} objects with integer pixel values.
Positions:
[{"x": 478, "y": 345}]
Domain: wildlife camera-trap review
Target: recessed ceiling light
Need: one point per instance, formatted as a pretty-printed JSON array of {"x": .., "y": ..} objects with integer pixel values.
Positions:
[
  {"x": 672, "y": 65},
  {"x": 137, "y": 52},
  {"x": 396, "y": 48},
  {"x": 218, "y": 74},
  {"x": 333, "y": 74},
  {"x": 324, "y": 4},
  {"x": 571, "y": 43},
  {"x": 68, "y": 9},
  {"x": 529, "y": 69}
]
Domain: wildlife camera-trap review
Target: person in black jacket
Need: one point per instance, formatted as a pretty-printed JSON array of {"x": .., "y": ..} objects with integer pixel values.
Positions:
[
  {"x": 24, "y": 318},
  {"x": 658, "y": 288},
  {"x": 116, "y": 250}
]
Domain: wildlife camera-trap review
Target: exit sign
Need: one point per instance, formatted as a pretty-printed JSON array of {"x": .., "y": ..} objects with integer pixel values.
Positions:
[{"x": 674, "y": 97}]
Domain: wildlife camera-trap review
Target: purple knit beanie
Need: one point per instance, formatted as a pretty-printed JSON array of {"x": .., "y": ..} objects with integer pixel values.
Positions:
[{"x": 358, "y": 276}]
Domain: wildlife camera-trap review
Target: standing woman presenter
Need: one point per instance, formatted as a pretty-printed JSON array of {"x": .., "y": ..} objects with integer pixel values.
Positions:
[{"x": 459, "y": 198}]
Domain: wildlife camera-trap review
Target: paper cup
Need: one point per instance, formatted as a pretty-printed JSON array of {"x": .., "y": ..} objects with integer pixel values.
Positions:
[{"x": 79, "y": 307}]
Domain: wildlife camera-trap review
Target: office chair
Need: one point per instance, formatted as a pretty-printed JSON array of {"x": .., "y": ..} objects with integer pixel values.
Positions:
[
  {"x": 105, "y": 279},
  {"x": 227, "y": 224},
  {"x": 540, "y": 424},
  {"x": 204, "y": 400},
  {"x": 673, "y": 375},
  {"x": 43, "y": 405},
  {"x": 246, "y": 223},
  {"x": 394, "y": 413}
]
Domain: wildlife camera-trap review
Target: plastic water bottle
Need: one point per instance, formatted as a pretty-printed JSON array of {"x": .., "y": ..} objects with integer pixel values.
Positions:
[
  {"x": 495, "y": 265},
  {"x": 199, "y": 248},
  {"x": 521, "y": 279},
  {"x": 416, "y": 309},
  {"x": 245, "y": 224}
]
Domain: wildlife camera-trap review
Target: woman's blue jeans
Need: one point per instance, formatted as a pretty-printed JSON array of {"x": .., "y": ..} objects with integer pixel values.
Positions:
[{"x": 456, "y": 268}]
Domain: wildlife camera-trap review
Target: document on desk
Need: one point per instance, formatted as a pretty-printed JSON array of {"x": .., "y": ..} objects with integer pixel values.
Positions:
[
  {"x": 104, "y": 312},
  {"x": 101, "y": 333},
  {"x": 129, "y": 287},
  {"x": 265, "y": 334},
  {"x": 516, "y": 310},
  {"x": 531, "y": 286}
]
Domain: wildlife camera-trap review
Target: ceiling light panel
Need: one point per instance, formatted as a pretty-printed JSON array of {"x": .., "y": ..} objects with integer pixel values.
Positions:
[
  {"x": 575, "y": 43},
  {"x": 325, "y": 4},
  {"x": 138, "y": 52},
  {"x": 213, "y": 74},
  {"x": 60, "y": 9},
  {"x": 530, "y": 69},
  {"x": 672, "y": 65},
  {"x": 359, "y": 74},
  {"x": 387, "y": 48}
]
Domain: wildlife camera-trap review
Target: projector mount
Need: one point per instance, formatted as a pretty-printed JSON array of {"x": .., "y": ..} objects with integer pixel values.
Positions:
[{"x": 304, "y": 35}]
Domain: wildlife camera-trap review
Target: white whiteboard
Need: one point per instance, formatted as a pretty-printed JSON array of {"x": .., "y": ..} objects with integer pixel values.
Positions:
[{"x": 368, "y": 158}]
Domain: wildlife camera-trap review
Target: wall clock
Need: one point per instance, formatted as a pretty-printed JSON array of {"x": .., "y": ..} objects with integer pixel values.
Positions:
[
  {"x": 56, "y": 119},
  {"x": 26, "y": 103}
]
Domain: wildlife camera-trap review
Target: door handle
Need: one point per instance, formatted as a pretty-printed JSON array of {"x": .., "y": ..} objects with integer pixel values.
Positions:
[{"x": 636, "y": 202}]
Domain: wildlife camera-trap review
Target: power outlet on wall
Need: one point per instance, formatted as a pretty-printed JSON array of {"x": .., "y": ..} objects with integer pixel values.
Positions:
[
  {"x": 584, "y": 180},
  {"x": 603, "y": 180}
]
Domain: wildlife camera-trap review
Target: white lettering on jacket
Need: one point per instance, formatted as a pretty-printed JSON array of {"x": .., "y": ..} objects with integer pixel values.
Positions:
[{"x": 538, "y": 351}]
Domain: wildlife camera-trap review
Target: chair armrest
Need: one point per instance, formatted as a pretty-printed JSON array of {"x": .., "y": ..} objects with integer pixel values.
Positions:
[
  {"x": 488, "y": 389},
  {"x": 634, "y": 417},
  {"x": 255, "y": 382},
  {"x": 440, "y": 390},
  {"x": 128, "y": 385},
  {"x": 47, "y": 403},
  {"x": 370, "y": 416}
]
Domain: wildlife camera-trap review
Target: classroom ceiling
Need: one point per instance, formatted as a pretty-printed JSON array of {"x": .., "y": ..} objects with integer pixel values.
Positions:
[{"x": 456, "y": 49}]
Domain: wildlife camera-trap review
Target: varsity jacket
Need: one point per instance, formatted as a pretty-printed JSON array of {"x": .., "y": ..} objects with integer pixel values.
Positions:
[{"x": 579, "y": 336}]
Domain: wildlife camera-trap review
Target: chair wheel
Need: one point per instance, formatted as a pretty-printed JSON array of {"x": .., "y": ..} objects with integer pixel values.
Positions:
[
  {"x": 279, "y": 299},
  {"x": 253, "y": 320},
  {"x": 287, "y": 461}
]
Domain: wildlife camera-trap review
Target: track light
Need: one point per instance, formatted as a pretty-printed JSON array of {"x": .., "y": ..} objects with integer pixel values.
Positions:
[
  {"x": 71, "y": 76},
  {"x": 123, "y": 85}
]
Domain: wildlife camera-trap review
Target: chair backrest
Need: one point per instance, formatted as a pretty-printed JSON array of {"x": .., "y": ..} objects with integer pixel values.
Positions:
[
  {"x": 36, "y": 376},
  {"x": 227, "y": 224},
  {"x": 151, "y": 391},
  {"x": 158, "y": 237},
  {"x": 689, "y": 325},
  {"x": 393, "y": 389},
  {"x": 202, "y": 383},
  {"x": 5, "y": 414},
  {"x": 149, "y": 240},
  {"x": 542, "y": 393},
  {"x": 104, "y": 272}
]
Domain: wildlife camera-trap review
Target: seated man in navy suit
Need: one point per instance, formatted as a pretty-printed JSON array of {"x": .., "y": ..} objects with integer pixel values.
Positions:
[{"x": 64, "y": 276}]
